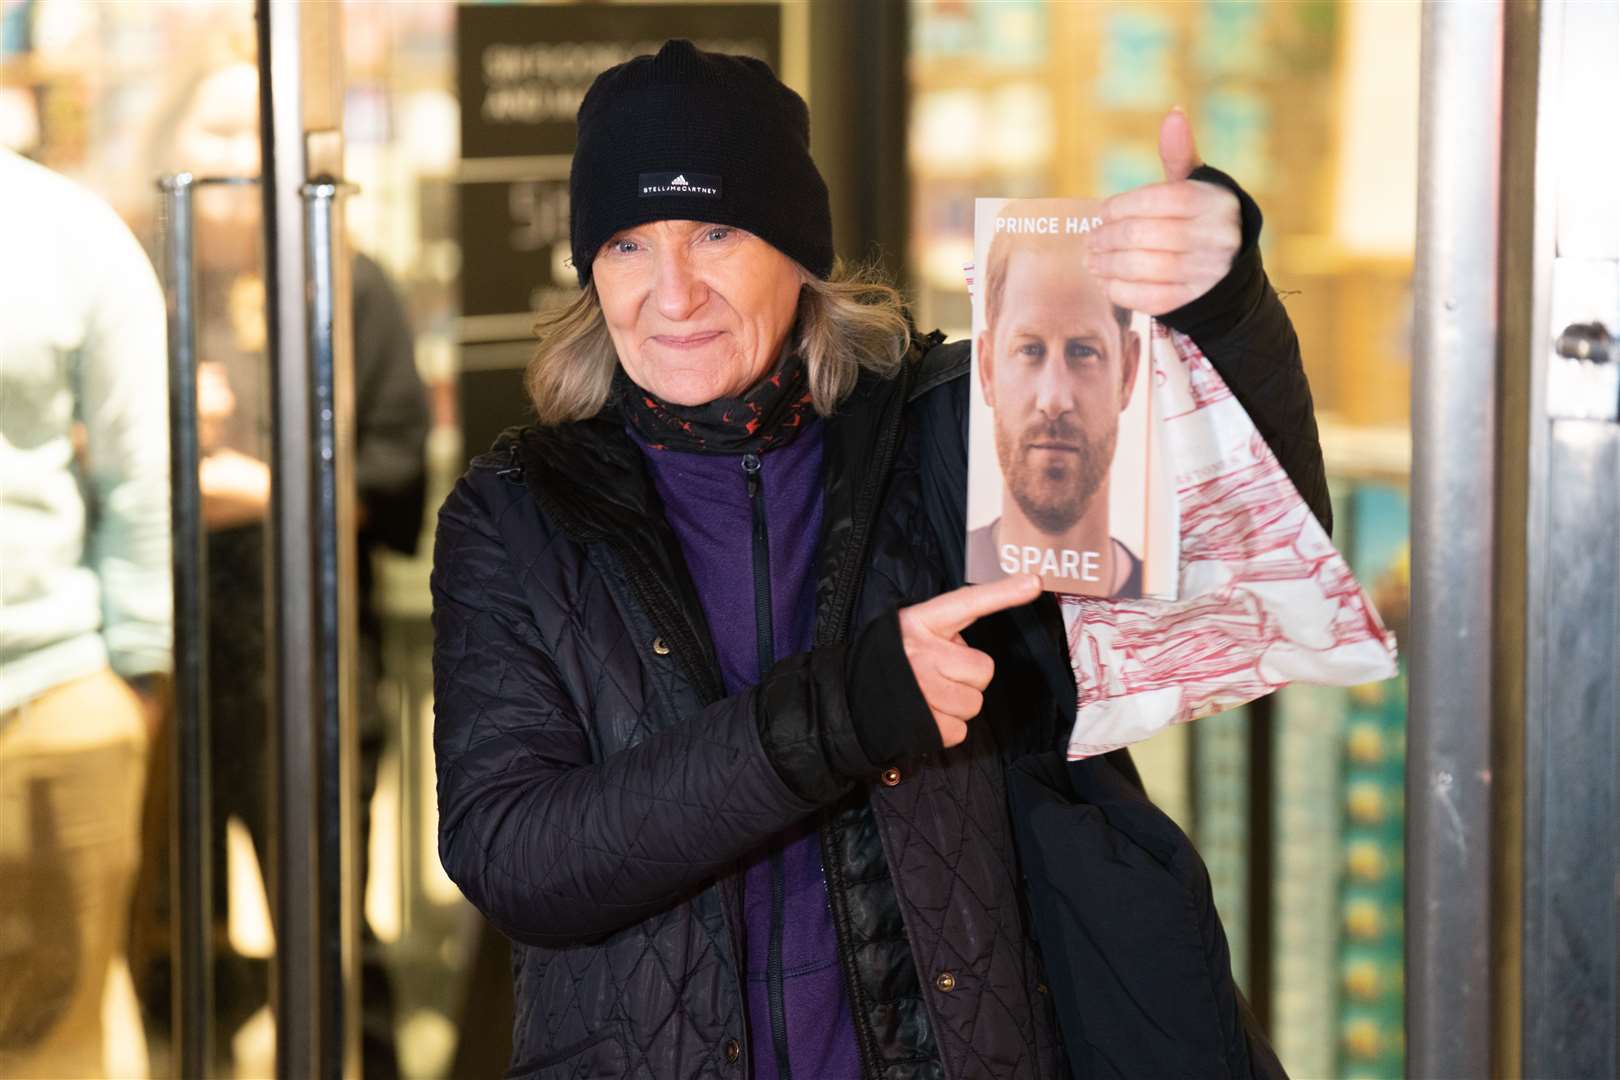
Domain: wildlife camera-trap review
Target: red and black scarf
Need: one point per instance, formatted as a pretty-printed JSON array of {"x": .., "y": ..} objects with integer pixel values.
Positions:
[{"x": 769, "y": 414}]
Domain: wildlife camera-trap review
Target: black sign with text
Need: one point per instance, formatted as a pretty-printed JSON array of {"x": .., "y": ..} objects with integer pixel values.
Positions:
[
  {"x": 514, "y": 237},
  {"x": 522, "y": 70}
]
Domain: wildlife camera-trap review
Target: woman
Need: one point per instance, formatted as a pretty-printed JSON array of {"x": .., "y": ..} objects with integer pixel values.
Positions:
[{"x": 721, "y": 740}]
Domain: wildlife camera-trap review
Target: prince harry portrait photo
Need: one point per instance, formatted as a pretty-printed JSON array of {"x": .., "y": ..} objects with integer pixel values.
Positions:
[{"x": 1057, "y": 364}]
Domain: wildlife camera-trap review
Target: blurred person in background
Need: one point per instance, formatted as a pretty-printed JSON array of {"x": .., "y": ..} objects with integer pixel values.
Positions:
[
  {"x": 86, "y": 614},
  {"x": 210, "y": 128}
]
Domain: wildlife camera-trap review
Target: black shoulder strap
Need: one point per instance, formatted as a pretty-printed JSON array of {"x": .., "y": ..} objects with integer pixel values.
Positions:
[{"x": 941, "y": 362}]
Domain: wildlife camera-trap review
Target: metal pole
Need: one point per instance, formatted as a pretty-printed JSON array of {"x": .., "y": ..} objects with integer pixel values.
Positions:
[
  {"x": 1454, "y": 378},
  {"x": 190, "y": 867},
  {"x": 336, "y": 739},
  {"x": 315, "y": 991},
  {"x": 296, "y": 986}
]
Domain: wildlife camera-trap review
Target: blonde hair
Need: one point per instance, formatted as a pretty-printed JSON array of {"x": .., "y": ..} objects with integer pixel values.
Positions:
[{"x": 851, "y": 322}]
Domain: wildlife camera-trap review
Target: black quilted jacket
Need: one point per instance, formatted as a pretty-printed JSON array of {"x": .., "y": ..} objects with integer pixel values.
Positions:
[{"x": 596, "y": 789}]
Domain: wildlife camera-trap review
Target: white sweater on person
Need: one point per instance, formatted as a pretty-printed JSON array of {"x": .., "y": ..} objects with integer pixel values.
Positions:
[{"x": 84, "y": 530}]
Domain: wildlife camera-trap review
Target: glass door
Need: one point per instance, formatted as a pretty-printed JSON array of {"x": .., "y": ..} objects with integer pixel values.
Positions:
[
  {"x": 112, "y": 96},
  {"x": 261, "y": 890}
]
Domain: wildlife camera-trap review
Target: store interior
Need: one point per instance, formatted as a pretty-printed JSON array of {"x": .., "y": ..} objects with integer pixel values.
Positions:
[{"x": 1296, "y": 802}]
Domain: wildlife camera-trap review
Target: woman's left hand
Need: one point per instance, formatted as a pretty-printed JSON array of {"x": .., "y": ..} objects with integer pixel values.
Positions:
[{"x": 1165, "y": 245}]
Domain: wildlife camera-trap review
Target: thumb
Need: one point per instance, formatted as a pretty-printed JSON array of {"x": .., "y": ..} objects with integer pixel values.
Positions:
[{"x": 1176, "y": 148}]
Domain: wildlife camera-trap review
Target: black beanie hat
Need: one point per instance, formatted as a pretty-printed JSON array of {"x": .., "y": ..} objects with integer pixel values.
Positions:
[{"x": 702, "y": 136}]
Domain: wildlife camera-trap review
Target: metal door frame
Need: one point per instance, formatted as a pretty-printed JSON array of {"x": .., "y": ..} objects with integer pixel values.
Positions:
[
  {"x": 314, "y": 981},
  {"x": 1448, "y": 770},
  {"x": 1568, "y": 952},
  {"x": 1513, "y": 784}
]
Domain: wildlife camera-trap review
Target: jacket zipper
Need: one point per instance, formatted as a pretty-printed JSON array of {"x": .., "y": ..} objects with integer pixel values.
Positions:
[
  {"x": 765, "y": 641},
  {"x": 762, "y": 565},
  {"x": 765, "y": 635}
]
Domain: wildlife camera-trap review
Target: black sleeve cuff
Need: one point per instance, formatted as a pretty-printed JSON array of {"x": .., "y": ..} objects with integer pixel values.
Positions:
[
  {"x": 1219, "y": 311},
  {"x": 1243, "y": 329},
  {"x": 839, "y": 714},
  {"x": 805, "y": 727},
  {"x": 892, "y": 719}
]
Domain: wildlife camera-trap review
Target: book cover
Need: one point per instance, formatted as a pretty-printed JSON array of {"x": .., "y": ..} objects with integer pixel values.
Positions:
[{"x": 1068, "y": 474}]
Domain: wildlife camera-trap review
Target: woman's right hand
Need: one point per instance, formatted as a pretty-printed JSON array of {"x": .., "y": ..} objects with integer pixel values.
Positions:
[{"x": 951, "y": 673}]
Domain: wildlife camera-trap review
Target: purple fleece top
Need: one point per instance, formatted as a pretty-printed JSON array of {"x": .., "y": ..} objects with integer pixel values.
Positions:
[{"x": 705, "y": 499}]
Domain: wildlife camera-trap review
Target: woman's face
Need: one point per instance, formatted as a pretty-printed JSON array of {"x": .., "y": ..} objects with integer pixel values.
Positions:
[{"x": 696, "y": 311}]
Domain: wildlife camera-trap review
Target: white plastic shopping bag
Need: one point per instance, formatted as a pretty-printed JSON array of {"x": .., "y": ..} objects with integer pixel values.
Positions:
[{"x": 1264, "y": 598}]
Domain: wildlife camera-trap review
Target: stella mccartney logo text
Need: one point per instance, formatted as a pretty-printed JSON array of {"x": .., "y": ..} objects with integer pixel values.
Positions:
[{"x": 701, "y": 185}]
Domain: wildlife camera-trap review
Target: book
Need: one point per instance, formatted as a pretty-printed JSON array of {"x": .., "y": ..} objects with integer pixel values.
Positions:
[{"x": 1069, "y": 474}]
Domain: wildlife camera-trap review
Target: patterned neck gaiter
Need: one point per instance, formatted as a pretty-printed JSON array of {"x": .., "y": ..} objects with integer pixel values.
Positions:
[{"x": 769, "y": 414}]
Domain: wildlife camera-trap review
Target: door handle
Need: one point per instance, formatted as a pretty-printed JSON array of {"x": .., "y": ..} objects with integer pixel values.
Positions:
[
  {"x": 190, "y": 868},
  {"x": 331, "y": 396}
]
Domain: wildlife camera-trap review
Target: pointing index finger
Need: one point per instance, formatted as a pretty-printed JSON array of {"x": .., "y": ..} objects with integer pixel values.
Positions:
[{"x": 955, "y": 611}]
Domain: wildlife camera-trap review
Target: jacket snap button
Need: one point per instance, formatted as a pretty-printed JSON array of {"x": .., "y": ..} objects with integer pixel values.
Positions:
[
  {"x": 659, "y": 647},
  {"x": 733, "y": 1051},
  {"x": 1040, "y": 988},
  {"x": 891, "y": 776},
  {"x": 946, "y": 982}
]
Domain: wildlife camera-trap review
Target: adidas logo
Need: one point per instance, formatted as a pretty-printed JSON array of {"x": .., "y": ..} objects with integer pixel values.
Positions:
[{"x": 679, "y": 181}]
